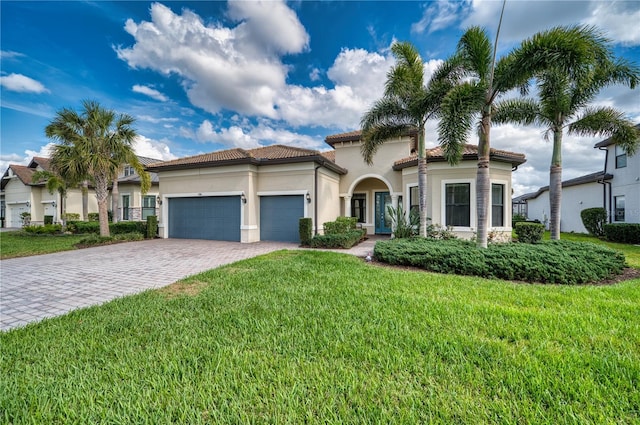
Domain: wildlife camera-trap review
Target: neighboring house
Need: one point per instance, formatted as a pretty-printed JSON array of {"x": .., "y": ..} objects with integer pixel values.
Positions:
[
  {"x": 260, "y": 194},
  {"x": 22, "y": 195},
  {"x": 622, "y": 196},
  {"x": 133, "y": 205},
  {"x": 577, "y": 194}
]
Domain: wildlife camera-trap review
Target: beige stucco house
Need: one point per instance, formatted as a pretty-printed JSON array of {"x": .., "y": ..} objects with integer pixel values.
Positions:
[
  {"x": 20, "y": 194},
  {"x": 260, "y": 194}
]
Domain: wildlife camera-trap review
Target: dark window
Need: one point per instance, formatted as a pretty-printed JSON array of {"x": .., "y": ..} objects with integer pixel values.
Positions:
[
  {"x": 359, "y": 207},
  {"x": 619, "y": 213},
  {"x": 621, "y": 158},
  {"x": 414, "y": 199},
  {"x": 129, "y": 171},
  {"x": 458, "y": 205},
  {"x": 148, "y": 206},
  {"x": 497, "y": 205}
]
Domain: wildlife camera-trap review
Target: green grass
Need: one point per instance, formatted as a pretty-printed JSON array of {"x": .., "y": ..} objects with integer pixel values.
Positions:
[
  {"x": 320, "y": 337},
  {"x": 631, "y": 252},
  {"x": 21, "y": 244}
]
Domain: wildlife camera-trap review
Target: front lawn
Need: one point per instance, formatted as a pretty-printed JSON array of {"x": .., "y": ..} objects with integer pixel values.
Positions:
[
  {"x": 22, "y": 244},
  {"x": 320, "y": 337},
  {"x": 631, "y": 252}
]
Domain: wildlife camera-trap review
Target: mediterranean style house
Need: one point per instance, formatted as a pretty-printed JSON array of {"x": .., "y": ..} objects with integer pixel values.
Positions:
[
  {"x": 616, "y": 189},
  {"x": 260, "y": 194},
  {"x": 21, "y": 195}
]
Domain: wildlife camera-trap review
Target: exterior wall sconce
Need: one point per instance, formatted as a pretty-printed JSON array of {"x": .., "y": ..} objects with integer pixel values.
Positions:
[
  {"x": 243, "y": 198},
  {"x": 158, "y": 200},
  {"x": 308, "y": 197},
  {"x": 53, "y": 204},
  {"x": 28, "y": 204}
]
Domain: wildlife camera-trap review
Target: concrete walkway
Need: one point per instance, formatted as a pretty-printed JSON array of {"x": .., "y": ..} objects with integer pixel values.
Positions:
[{"x": 33, "y": 288}]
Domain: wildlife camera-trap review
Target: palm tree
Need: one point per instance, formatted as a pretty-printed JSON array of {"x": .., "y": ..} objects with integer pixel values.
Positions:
[
  {"x": 564, "y": 104},
  {"x": 406, "y": 106},
  {"x": 94, "y": 144},
  {"x": 487, "y": 80}
]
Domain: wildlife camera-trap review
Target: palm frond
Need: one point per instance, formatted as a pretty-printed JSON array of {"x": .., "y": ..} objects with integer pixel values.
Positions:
[
  {"x": 376, "y": 136},
  {"x": 608, "y": 122},
  {"x": 518, "y": 111},
  {"x": 474, "y": 48}
]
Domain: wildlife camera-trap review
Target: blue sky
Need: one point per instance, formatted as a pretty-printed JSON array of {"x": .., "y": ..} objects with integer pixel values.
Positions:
[{"x": 202, "y": 76}]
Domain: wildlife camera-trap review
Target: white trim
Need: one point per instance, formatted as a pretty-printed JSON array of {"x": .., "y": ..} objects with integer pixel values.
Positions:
[
  {"x": 51, "y": 201},
  {"x": 16, "y": 202},
  {"x": 505, "y": 185},
  {"x": 369, "y": 176},
  {"x": 472, "y": 204},
  {"x": 282, "y": 192},
  {"x": 248, "y": 227}
]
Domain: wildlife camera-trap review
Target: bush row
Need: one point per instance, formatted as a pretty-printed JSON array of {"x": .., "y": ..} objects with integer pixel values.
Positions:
[
  {"x": 80, "y": 227},
  {"x": 337, "y": 240},
  {"x": 622, "y": 232},
  {"x": 47, "y": 229},
  {"x": 93, "y": 239},
  {"x": 558, "y": 262}
]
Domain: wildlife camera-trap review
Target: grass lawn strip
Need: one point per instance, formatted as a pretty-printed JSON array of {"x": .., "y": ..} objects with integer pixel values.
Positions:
[
  {"x": 19, "y": 244},
  {"x": 320, "y": 337}
]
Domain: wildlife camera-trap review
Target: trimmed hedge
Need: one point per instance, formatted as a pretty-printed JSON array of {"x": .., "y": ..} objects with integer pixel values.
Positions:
[
  {"x": 528, "y": 232},
  {"x": 304, "y": 228},
  {"x": 558, "y": 262},
  {"x": 593, "y": 220},
  {"x": 47, "y": 229},
  {"x": 622, "y": 232},
  {"x": 341, "y": 225},
  {"x": 152, "y": 226},
  {"x": 82, "y": 227},
  {"x": 342, "y": 240}
]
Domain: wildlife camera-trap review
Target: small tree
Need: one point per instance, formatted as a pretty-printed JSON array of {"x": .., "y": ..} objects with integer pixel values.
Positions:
[{"x": 594, "y": 220}]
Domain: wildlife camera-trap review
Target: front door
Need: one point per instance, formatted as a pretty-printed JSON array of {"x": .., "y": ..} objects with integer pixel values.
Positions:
[
  {"x": 383, "y": 219},
  {"x": 125, "y": 207}
]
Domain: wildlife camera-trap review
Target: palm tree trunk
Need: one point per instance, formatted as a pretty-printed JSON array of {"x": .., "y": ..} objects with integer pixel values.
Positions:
[
  {"x": 102, "y": 193},
  {"x": 483, "y": 180},
  {"x": 115, "y": 200},
  {"x": 555, "y": 185},
  {"x": 422, "y": 184},
  {"x": 85, "y": 200}
]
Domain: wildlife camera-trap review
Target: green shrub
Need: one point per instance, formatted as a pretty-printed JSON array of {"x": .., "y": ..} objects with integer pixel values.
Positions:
[
  {"x": 403, "y": 227},
  {"x": 622, "y": 232},
  {"x": 48, "y": 219},
  {"x": 94, "y": 239},
  {"x": 128, "y": 227},
  {"x": 93, "y": 216},
  {"x": 439, "y": 232},
  {"x": 70, "y": 216},
  {"x": 559, "y": 262},
  {"x": 152, "y": 226},
  {"x": 47, "y": 229},
  {"x": 82, "y": 227},
  {"x": 341, "y": 225},
  {"x": 341, "y": 240},
  {"x": 517, "y": 218},
  {"x": 134, "y": 236},
  {"x": 529, "y": 232},
  {"x": 593, "y": 220},
  {"x": 304, "y": 228}
]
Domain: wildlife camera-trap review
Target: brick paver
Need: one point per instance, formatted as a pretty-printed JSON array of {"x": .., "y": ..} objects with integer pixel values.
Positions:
[{"x": 33, "y": 288}]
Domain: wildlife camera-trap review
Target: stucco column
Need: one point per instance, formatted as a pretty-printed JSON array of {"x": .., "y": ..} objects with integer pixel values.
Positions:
[{"x": 347, "y": 206}]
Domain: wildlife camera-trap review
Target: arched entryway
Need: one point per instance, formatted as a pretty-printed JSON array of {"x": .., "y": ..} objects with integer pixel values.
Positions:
[{"x": 368, "y": 200}]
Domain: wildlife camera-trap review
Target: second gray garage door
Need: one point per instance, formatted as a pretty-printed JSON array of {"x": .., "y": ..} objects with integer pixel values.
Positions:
[
  {"x": 213, "y": 218},
  {"x": 279, "y": 217}
]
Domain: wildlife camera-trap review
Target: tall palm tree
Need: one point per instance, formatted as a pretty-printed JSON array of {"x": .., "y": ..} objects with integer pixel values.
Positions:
[
  {"x": 487, "y": 79},
  {"x": 94, "y": 144},
  {"x": 406, "y": 106},
  {"x": 564, "y": 104}
]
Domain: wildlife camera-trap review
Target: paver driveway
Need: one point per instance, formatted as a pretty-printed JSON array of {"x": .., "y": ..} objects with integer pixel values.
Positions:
[{"x": 32, "y": 288}]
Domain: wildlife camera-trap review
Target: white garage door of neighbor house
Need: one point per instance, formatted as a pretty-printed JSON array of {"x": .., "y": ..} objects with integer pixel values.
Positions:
[
  {"x": 280, "y": 217},
  {"x": 209, "y": 217},
  {"x": 16, "y": 210}
]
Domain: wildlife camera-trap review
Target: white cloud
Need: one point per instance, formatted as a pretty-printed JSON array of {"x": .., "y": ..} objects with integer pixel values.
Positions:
[
  {"x": 22, "y": 83},
  {"x": 248, "y": 137},
  {"x": 439, "y": 15},
  {"x": 144, "y": 146},
  {"x": 154, "y": 120},
  {"x": 314, "y": 75},
  {"x": 149, "y": 91},
  {"x": 221, "y": 68},
  {"x": 7, "y": 54}
]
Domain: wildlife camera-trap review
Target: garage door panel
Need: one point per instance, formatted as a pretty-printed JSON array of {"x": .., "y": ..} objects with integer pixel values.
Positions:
[
  {"x": 280, "y": 216},
  {"x": 213, "y": 218}
]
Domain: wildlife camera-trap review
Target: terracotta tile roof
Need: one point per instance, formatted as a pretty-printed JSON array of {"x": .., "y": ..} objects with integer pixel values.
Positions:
[
  {"x": 330, "y": 155},
  {"x": 258, "y": 156},
  {"x": 353, "y": 136},
  {"x": 468, "y": 152}
]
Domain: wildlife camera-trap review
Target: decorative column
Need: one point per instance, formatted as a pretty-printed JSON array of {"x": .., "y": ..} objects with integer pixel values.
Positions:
[
  {"x": 394, "y": 204},
  {"x": 347, "y": 206}
]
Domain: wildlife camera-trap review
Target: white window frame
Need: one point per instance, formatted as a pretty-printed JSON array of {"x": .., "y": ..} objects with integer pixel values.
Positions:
[
  {"x": 472, "y": 204},
  {"x": 507, "y": 219}
]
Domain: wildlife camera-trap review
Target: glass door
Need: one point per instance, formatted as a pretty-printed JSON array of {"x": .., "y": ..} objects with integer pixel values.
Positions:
[
  {"x": 125, "y": 207},
  {"x": 383, "y": 219}
]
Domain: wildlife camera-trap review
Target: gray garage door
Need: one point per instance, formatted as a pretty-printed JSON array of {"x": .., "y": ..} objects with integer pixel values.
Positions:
[
  {"x": 214, "y": 218},
  {"x": 279, "y": 217}
]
